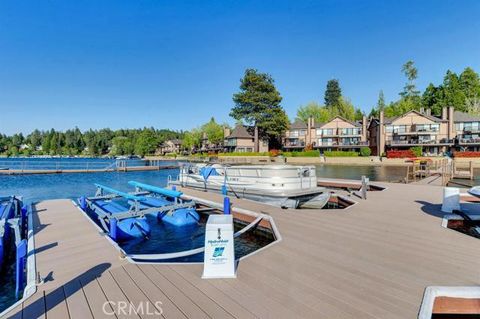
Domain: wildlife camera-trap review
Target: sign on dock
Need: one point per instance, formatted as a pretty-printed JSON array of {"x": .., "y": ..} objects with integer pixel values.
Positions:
[{"x": 219, "y": 260}]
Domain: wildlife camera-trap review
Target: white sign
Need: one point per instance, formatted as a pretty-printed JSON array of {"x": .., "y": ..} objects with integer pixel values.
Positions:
[{"x": 219, "y": 260}]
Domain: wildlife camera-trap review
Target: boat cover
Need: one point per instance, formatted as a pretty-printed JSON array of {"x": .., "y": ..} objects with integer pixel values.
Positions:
[{"x": 208, "y": 171}]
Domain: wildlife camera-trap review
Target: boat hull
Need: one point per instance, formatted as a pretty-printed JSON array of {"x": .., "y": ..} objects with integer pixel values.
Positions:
[
  {"x": 132, "y": 228},
  {"x": 315, "y": 197}
]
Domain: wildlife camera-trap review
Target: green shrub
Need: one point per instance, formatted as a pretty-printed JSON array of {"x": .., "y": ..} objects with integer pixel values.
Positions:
[
  {"x": 171, "y": 155},
  {"x": 312, "y": 153},
  {"x": 340, "y": 154},
  {"x": 417, "y": 150},
  {"x": 365, "y": 151}
]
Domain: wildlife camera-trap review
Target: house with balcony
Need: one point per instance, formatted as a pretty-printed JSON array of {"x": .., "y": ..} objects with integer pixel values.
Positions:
[
  {"x": 337, "y": 134},
  {"x": 209, "y": 147},
  {"x": 467, "y": 131},
  {"x": 414, "y": 128},
  {"x": 296, "y": 136},
  {"x": 240, "y": 139},
  {"x": 453, "y": 130},
  {"x": 340, "y": 134},
  {"x": 170, "y": 146}
]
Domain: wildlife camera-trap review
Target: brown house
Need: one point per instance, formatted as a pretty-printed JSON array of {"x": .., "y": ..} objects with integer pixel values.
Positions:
[
  {"x": 241, "y": 140},
  {"x": 453, "y": 130},
  {"x": 337, "y": 134}
]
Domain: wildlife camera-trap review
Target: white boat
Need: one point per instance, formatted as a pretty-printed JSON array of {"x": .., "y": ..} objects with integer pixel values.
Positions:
[
  {"x": 285, "y": 186},
  {"x": 475, "y": 191}
]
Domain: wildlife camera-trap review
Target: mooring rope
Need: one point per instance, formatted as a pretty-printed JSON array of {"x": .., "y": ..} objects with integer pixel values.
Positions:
[{"x": 190, "y": 252}]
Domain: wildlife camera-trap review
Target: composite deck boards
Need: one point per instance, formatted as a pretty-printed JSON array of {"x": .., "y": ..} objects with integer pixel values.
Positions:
[{"x": 372, "y": 260}]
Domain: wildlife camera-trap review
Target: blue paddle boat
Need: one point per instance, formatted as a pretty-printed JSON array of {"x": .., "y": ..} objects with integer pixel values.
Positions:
[
  {"x": 123, "y": 215},
  {"x": 13, "y": 242},
  {"x": 179, "y": 215},
  {"x": 122, "y": 222},
  {"x": 9, "y": 208}
]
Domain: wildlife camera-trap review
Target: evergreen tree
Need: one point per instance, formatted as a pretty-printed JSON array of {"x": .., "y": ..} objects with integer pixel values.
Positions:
[
  {"x": 258, "y": 104},
  {"x": 333, "y": 93},
  {"x": 411, "y": 72}
]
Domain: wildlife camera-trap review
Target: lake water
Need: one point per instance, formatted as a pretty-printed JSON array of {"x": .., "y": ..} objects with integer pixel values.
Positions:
[{"x": 52, "y": 186}]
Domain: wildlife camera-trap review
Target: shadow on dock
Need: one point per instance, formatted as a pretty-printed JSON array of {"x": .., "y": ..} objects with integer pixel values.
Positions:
[
  {"x": 45, "y": 301},
  {"x": 431, "y": 209},
  {"x": 45, "y": 247},
  {"x": 436, "y": 209}
]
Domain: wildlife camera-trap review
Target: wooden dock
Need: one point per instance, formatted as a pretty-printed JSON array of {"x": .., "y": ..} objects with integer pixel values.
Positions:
[{"x": 373, "y": 260}]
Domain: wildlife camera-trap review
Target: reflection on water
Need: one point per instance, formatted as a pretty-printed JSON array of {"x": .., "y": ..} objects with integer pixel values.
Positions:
[{"x": 375, "y": 173}]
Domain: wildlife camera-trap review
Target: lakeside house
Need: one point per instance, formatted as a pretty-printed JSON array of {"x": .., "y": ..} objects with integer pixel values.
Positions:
[
  {"x": 453, "y": 130},
  {"x": 170, "y": 146},
  {"x": 241, "y": 140},
  {"x": 209, "y": 147},
  {"x": 337, "y": 134},
  {"x": 437, "y": 135}
]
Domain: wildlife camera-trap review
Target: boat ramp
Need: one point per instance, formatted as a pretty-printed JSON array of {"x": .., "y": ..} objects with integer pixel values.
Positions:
[{"x": 373, "y": 260}]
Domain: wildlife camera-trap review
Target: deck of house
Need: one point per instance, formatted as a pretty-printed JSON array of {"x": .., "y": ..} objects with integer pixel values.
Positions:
[{"x": 372, "y": 260}]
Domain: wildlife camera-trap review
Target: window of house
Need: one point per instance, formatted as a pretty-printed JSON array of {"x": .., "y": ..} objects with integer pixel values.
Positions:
[
  {"x": 399, "y": 128},
  {"x": 327, "y": 131},
  {"x": 350, "y": 131},
  {"x": 294, "y": 133},
  {"x": 427, "y": 127},
  {"x": 459, "y": 127},
  {"x": 326, "y": 141}
]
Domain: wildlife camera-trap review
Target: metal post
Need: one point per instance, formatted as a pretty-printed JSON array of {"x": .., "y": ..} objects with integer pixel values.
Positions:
[
  {"x": 364, "y": 187},
  {"x": 226, "y": 205}
]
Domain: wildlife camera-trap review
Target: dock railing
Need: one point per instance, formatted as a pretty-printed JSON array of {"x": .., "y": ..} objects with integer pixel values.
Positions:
[{"x": 444, "y": 168}]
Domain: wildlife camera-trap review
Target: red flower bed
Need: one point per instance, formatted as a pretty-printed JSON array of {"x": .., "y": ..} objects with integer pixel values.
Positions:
[
  {"x": 400, "y": 154},
  {"x": 466, "y": 154},
  {"x": 274, "y": 153}
]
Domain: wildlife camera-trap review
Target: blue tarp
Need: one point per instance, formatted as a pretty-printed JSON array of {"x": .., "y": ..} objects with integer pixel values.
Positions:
[{"x": 208, "y": 171}]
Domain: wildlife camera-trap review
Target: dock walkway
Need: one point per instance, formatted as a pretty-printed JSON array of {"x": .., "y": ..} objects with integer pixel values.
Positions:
[{"x": 372, "y": 260}]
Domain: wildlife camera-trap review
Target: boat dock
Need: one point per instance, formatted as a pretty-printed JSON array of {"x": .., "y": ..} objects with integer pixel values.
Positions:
[
  {"x": 373, "y": 260},
  {"x": 442, "y": 171},
  {"x": 85, "y": 170}
]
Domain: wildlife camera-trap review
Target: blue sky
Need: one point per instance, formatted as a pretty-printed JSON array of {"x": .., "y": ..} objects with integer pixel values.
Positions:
[{"x": 129, "y": 64}]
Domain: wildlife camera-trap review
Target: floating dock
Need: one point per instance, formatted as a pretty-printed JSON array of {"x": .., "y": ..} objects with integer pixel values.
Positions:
[
  {"x": 373, "y": 260},
  {"x": 84, "y": 170}
]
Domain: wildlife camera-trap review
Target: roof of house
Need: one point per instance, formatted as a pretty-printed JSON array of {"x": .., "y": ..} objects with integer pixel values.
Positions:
[
  {"x": 176, "y": 141},
  {"x": 464, "y": 117},
  {"x": 430, "y": 117},
  {"x": 319, "y": 125},
  {"x": 240, "y": 131},
  {"x": 298, "y": 124}
]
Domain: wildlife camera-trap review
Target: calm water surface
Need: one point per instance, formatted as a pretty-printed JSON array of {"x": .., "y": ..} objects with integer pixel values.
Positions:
[{"x": 52, "y": 186}]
